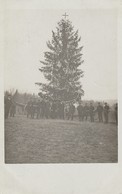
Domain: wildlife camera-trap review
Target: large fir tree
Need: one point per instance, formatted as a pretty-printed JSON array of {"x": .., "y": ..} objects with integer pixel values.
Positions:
[{"x": 61, "y": 65}]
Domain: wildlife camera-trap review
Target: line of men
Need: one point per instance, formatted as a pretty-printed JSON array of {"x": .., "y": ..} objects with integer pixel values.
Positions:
[
  {"x": 56, "y": 109},
  {"x": 85, "y": 111},
  {"x": 45, "y": 109}
]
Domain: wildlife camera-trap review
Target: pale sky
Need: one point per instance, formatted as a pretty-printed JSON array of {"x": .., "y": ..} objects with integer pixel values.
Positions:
[{"x": 27, "y": 31}]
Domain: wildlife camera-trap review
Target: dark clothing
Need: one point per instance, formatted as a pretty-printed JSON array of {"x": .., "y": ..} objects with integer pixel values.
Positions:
[
  {"x": 54, "y": 110},
  {"x": 33, "y": 107},
  {"x": 116, "y": 114},
  {"x": 47, "y": 109},
  {"x": 58, "y": 104},
  {"x": 43, "y": 106},
  {"x": 86, "y": 112},
  {"x": 13, "y": 109},
  {"x": 60, "y": 110},
  {"x": 100, "y": 113},
  {"x": 66, "y": 110},
  {"x": 38, "y": 110},
  {"x": 91, "y": 113},
  {"x": 80, "y": 110},
  {"x": 7, "y": 105},
  {"x": 28, "y": 108},
  {"x": 71, "y": 112},
  {"x": 106, "y": 112}
]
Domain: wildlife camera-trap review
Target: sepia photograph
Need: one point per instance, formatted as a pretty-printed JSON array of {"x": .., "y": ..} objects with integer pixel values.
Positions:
[{"x": 60, "y": 86}]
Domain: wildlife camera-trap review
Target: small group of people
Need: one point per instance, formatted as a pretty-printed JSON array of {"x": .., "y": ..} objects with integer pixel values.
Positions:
[
  {"x": 45, "y": 109},
  {"x": 85, "y": 111}
]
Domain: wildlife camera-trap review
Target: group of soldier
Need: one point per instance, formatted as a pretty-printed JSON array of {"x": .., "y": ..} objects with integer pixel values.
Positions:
[
  {"x": 45, "y": 109},
  {"x": 59, "y": 110},
  {"x": 84, "y": 112}
]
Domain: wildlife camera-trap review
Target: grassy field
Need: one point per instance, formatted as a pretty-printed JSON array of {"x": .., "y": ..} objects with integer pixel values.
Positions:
[{"x": 57, "y": 141}]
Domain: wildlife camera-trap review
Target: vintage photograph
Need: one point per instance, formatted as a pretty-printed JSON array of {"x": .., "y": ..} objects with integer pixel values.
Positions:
[{"x": 60, "y": 87}]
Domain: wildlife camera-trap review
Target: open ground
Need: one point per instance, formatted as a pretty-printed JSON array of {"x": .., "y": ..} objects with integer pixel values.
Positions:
[{"x": 59, "y": 141}]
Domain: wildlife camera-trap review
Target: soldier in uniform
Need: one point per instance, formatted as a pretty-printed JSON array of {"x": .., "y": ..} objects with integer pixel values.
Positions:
[
  {"x": 13, "y": 109},
  {"x": 71, "y": 111},
  {"x": 38, "y": 109},
  {"x": 86, "y": 111},
  {"x": 7, "y": 105},
  {"x": 106, "y": 112},
  {"x": 80, "y": 111},
  {"x": 43, "y": 106},
  {"x": 47, "y": 108},
  {"x": 116, "y": 113},
  {"x": 62, "y": 110},
  {"x": 66, "y": 110},
  {"x": 91, "y": 112},
  {"x": 100, "y": 112},
  {"x": 28, "y": 108},
  {"x": 33, "y": 108},
  {"x": 58, "y": 109},
  {"x": 54, "y": 109}
]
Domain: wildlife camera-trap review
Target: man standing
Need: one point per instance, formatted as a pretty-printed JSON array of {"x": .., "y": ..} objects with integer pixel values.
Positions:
[
  {"x": 80, "y": 112},
  {"x": 33, "y": 108},
  {"x": 71, "y": 111},
  {"x": 7, "y": 105},
  {"x": 58, "y": 109},
  {"x": 38, "y": 109},
  {"x": 62, "y": 110},
  {"x": 106, "y": 112},
  {"x": 66, "y": 110},
  {"x": 28, "y": 108},
  {"x": 43, "y": 106},
  {"x": 100, "y": 112},
  {"x": 86, "y": 111},
  {"x": 91, "y": 112},
  {"x": 13, "y": 109},
  {"x": 116, "y": 113},
  {"x": 47, "y": 108},
  {"x": 54, "y": 109}
]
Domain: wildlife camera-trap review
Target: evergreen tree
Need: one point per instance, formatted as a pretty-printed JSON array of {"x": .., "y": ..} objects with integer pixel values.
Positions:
[{"x": 61, "y": 64}]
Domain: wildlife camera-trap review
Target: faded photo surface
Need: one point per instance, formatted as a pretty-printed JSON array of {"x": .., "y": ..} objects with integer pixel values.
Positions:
[{"x": 60, "y": 87}]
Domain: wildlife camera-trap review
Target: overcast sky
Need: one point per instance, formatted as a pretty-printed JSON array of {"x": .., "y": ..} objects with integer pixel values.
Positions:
[{"x": 26, "y": 34}]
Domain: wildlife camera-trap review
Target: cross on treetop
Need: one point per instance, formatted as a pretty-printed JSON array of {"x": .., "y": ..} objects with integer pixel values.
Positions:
[{"x": 65, "y": 15}]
